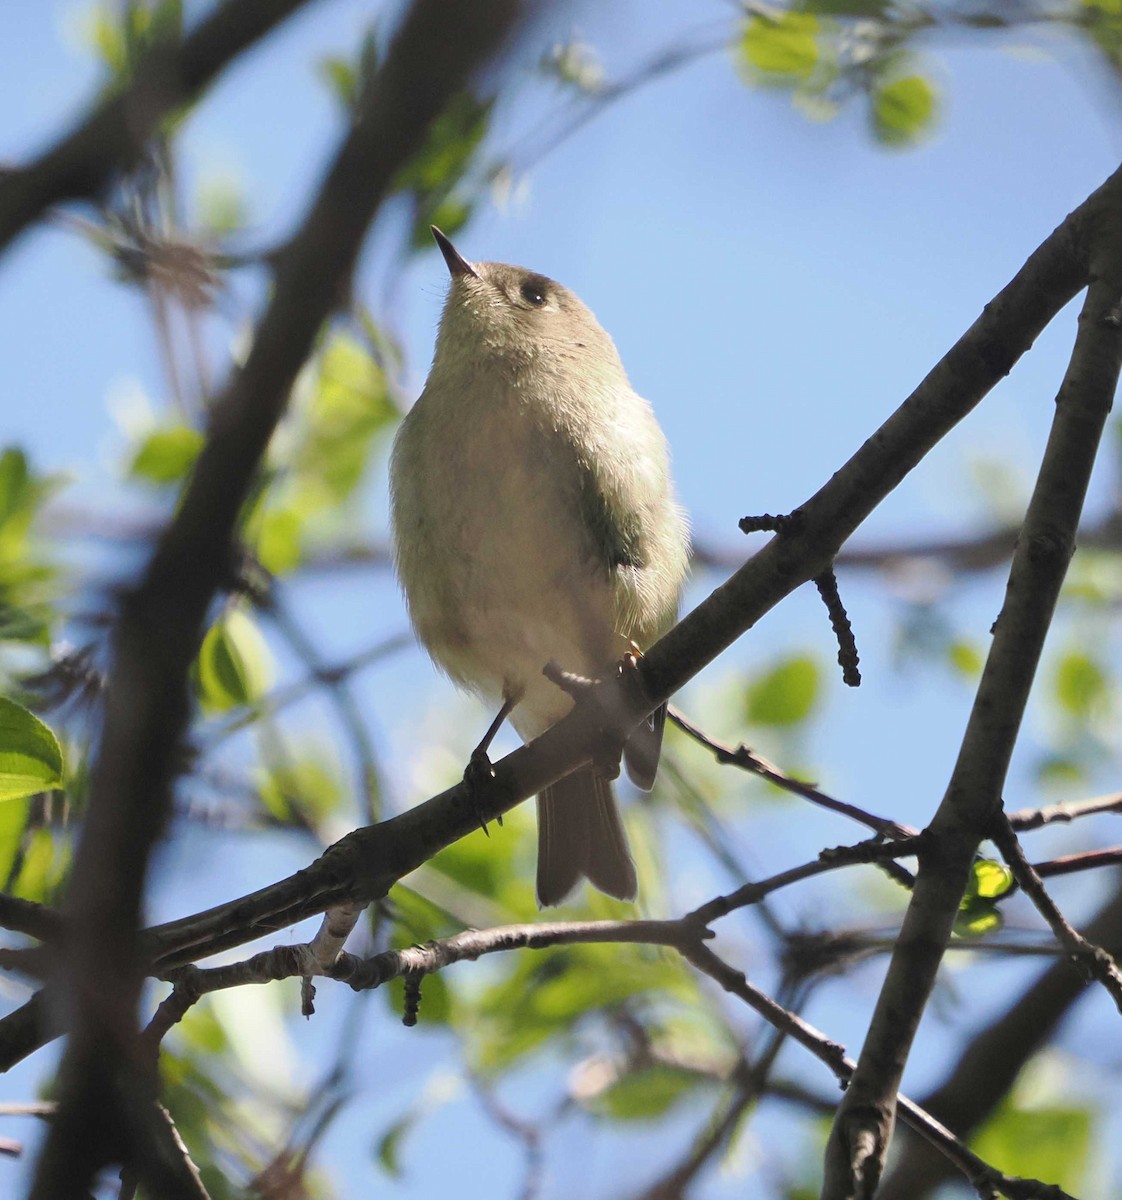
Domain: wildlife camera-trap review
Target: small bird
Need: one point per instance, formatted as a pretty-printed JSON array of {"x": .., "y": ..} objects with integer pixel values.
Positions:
[{"x": 534, "y": 521}]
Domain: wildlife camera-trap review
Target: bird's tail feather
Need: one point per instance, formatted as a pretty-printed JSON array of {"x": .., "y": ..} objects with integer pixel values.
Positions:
[{"x": 580, "y": 834}]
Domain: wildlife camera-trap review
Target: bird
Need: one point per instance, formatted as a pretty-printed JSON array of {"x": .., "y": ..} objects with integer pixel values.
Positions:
[{"x": 534, "y": 520}]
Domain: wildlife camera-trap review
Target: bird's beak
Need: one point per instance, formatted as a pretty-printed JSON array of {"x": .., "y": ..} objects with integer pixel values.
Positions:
[{"x": 457, "y": 264}]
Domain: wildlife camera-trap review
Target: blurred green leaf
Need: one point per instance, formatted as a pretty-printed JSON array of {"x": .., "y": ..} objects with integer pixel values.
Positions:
[
  {"x": 279, "y": 540},
  {"x": 1080, "y": 684},
  {"x": 23, "y": 625},
  {"x": 452, "y": 142},
  {"x": 13, "y": 821},
  {"x": 903, "y": 110},
  {"x": 341, "y": 77},
  {"x": 646, "y": 1094},
  {"x": 234, "y": 666},
  {"x": 417, "y": 919},
  {"x": 450, "y": 214},
  {"x": 166, "y": 455},
  {"x": 989, "y": 879},
  {"x": 1048, "y": 1143},
  {"x": 306, "y": 786},
  {"x": 965, "y": 658},
  {"x": 388, "y": 1149},
  {"x": 121, "y": 34},
  {"x": 43, "y": 868},
  {"x": 977, "y": 917},
  {"x": 1060, "y": 769},
  {"x": 786, "y": 694},
  {"x": 350, "y": 405},
  {"x": 436, "y": 1006},
  {"x": 221, "y": 207},
  {"x": 783, "y": 44},
  {"x": 545, "y": 994},
  {"x": 30, "y": 756}
]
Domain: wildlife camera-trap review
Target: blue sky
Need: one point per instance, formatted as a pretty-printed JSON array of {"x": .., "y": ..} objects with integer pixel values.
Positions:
[{"x": 776, "y": 287}]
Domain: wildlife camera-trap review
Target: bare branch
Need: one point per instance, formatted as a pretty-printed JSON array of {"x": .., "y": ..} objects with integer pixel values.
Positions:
[
  {"x": 1095, "y": 962},
  {"x": 861, "y": 1132}
]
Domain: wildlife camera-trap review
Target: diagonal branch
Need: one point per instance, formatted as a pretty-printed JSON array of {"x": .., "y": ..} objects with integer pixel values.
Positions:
[
  {"x": 860, "y": 1135},
  {"x": 113, "y": 137}
]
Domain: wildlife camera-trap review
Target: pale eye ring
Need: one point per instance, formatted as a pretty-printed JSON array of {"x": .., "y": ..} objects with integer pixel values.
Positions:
[{"x": 533, "y": 293}]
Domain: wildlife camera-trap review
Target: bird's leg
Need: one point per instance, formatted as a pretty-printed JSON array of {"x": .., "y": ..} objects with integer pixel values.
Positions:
[{"x": 479, "y": 771}]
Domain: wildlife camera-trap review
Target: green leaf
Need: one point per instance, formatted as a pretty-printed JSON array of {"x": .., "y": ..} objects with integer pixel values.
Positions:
[
  {"x": 786, "y": 694},
  {"x": 15, "y": 484},
  {"x": 977, "y": 917},
  {"x": 1081, "y": 685},
  {"x": 545, "y": 994},
  {"x": 647, "y": 1094},
  {"x": 784, "y": 44},
  {"x": 965, "y": 658},
  {"x": 452, "y": 142},
  {"x": 350, "y": 405},
  {"x": 166, "y": 455},
  {"x": 234, "y": 666},
  {"x": 23, "y": 625},
  {"x": 30, "y": 756},
  {"x": 306, "y": 787},
  {"x": 388, "y": 1148},
  {"x": 13, "y": 821},
  {"x": 278, "y": 540},
  {"x": 989, "y": 879},
  {"x": 903, "y": 110},
  {"x": 42, "y": 869},
  {"x": 1048, "y": 1143},
  {"x": 341, "y": 77}
]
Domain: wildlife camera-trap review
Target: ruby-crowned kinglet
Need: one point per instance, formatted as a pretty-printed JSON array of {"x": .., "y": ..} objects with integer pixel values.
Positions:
[{"x": 534, "y": 521}]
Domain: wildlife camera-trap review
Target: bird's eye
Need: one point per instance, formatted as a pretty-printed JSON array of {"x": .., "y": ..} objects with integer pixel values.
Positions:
[{"x": 533, "y": 293}]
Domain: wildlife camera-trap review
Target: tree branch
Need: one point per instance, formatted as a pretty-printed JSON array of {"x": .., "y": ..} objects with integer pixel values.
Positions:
[
  {"x": 990, "y": 1063},
  {"x": 860, "y": 1135}
]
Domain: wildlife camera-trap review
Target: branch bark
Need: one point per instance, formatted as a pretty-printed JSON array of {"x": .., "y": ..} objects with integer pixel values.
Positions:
[
  {"x": 990, "y": 1063},
  {"x": 861, "y": 1132}
]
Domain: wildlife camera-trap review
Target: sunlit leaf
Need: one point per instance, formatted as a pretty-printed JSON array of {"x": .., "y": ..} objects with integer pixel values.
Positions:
[
  {"x": 988, "y": 880},
  {"x": 783, "y": 44},
  {"x": 786, "y": 694},
  {"x": 234, "y": 666},
  {"x": 13, "y": 820},
  {"x": 166, "y": 455},
  {"x": 903, "y": 109},
  {"x": 977, "y": 917},
  {"x": 30, "y": 756}
]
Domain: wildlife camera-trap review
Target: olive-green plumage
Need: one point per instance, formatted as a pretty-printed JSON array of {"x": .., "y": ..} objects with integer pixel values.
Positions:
[{"x": 534, "y": 521}]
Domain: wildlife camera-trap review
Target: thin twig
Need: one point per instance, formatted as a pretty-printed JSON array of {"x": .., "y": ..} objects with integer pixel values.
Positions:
[{"x": 1092, "y": 960}]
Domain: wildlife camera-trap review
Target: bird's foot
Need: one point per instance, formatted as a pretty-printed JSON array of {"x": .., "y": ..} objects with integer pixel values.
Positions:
[{"x": 478, "y": 774}]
